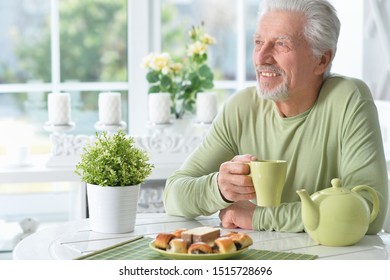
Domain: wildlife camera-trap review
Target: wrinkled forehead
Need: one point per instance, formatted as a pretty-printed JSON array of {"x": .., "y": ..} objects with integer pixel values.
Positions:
[{"x": 277, "y": 24}]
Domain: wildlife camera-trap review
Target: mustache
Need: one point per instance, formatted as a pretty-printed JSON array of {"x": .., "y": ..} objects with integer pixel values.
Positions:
[{"x": 270, "y": 68}]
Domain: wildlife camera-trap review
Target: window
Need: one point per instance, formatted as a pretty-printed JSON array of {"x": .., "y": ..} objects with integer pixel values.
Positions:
[
  {"x": 231, "y": 22},
  {"x": 71, "y": 46}
]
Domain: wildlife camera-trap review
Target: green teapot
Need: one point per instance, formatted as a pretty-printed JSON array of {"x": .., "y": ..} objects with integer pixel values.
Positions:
[{"x": 337, "y": 216}]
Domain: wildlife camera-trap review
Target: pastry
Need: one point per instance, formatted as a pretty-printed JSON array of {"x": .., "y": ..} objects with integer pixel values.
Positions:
[
  {"x": 230, "y": 233},
  {"x": 200, "y": 248},
  {"x": 177, "y": 233},
  {"x": 177, "y": 245},
  {"x": 224, "y": 245},
  {"x": 241, "y": 240},
  {"x": 202, "y": 240},
  {"x": 162, "y": 240}
]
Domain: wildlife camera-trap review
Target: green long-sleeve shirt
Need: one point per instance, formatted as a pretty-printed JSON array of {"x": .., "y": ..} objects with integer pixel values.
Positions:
[{"x": 338, "y": 137}]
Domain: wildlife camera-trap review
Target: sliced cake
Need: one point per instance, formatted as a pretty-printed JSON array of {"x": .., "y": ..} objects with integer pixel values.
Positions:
[{"x": 201, "y": 234}]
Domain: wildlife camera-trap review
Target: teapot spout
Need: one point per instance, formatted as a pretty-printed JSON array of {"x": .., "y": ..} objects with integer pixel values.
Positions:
[{"x": 310, "y": 210}]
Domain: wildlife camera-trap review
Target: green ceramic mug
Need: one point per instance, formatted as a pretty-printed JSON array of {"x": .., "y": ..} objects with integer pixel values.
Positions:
[{"x": 268, "y": 178}]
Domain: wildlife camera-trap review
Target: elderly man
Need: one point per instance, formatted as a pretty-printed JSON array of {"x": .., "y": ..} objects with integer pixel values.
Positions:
[{"x": 325, "y": 126}]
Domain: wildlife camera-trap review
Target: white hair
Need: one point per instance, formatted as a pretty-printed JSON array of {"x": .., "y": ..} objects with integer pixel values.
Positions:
[{"x": 322, "y": 26}]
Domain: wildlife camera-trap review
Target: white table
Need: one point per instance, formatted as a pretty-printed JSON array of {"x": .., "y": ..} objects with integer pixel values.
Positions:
[{"x": 75, "y": 239}]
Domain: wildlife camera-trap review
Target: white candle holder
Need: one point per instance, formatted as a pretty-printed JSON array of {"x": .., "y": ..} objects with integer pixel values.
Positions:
[
  {"x": 59, "y": 128},
  {"x": 99, "y": 126},
  {"x": 63, "y": 150},
  {"x": 172, "y": 141},
  {"x": 66, "y": 149}
]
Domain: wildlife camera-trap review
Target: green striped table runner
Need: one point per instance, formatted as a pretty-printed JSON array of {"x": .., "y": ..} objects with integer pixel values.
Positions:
[{"x": 138, "y": 249}]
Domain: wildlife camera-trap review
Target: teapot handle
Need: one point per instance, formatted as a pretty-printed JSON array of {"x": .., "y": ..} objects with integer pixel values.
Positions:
[{"x": 375, "y": 199}]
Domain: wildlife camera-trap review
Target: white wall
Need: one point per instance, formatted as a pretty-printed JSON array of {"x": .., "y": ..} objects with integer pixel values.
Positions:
[
  {"x": 349, "y": 56},
  {"x": 376, "y": 71}
]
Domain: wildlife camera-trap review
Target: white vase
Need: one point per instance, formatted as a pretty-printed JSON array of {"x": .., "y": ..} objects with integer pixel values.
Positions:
[
  {"x": 206, "y": 107},
  {"x": 112, "y": 209},
  {"x": 159, "y": 107}
]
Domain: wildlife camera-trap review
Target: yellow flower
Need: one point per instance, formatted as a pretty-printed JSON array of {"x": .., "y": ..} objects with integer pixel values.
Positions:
[
  {"x": 176, "y": 68},
  {"x": 207, "y": 39},
  {"x": 146, "y": 61},
  {"x": 195, "y": 32},
  {"x": 197, "y": 48},
  {"x": 161, "y": 62},
  {"x": 192, "y": 33}
]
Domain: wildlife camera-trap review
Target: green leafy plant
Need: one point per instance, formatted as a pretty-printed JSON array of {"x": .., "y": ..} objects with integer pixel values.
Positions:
[
  {"x": 113, "y": 160},
  {"x": 184, "y": 79}
]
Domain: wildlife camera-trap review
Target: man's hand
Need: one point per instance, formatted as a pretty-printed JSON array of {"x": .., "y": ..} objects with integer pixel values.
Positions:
[
  {"x": 239, "y": 214},
  {"x": 233, "y": 180}
]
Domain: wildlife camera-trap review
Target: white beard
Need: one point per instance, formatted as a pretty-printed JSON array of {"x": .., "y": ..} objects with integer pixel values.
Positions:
[
  {"x": 280, "y": 93},
  {"x": 277, "y": 94}
]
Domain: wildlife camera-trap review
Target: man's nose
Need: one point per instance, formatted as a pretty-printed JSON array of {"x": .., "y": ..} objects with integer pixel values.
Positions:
[{"x": 266, "y": 54}]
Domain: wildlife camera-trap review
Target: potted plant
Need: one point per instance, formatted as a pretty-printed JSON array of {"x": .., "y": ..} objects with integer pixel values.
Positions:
[
  {"x": 182, "y": 78},
  {"x": 113, "y": 168}
]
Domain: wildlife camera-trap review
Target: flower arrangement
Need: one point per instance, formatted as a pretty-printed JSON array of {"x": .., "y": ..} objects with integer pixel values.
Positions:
[
  {"x": 113, "y": 160},
  {"x": 184, "y": 79}
]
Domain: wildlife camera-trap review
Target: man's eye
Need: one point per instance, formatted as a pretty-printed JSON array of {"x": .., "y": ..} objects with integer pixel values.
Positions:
[
  {"x": 259, "y": 42},
  {"x": 282, "y": 46}
]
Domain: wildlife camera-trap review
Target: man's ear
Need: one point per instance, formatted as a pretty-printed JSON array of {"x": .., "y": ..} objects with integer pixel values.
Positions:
[{"x": 323, "y": 63}]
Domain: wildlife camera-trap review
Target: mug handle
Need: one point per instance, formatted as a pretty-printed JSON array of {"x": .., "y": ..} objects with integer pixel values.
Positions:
[{"x": 375, "y": 199}]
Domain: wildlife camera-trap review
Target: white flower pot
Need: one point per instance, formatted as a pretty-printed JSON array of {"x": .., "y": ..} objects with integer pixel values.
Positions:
[
  {"x": 112, "y": 209},
  {"x": 206, "y": 107},
  {"x": 159, "y": 107}
]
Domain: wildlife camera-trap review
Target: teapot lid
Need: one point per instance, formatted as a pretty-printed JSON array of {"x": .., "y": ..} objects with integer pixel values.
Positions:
[{"x": 335, "y": 189}]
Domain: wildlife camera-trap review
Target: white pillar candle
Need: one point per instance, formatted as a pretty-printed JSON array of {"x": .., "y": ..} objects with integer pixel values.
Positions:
[
  {"x": 59, "y": 108},
  {"x": 110, "y": 108},
  {"x": 159, "y": 107},
  {"x": 206, "y": 106}
]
